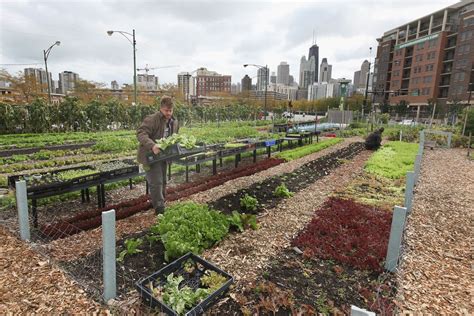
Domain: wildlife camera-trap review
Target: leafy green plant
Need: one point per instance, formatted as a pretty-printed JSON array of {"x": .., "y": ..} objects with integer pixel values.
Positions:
[
  {"x": 249, "y": 203},
  {"x": 190, "y": 227},
  {"x": 393, "y": 160},
  {"x": 242, "y": 221},
  {"x": 188, "y": 142},
  {"x": 131, "y": 248},
  {"x": 213, "y": 280},
  {"x": 282, "y": 191},
  {"x": 299, "y": 152},
  {"x": 178, "y": 299}
]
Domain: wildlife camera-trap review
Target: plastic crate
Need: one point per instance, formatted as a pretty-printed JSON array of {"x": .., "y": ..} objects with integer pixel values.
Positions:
[
  {"x": 176, "y": 267},
  {"x": 172, "y": 152}
]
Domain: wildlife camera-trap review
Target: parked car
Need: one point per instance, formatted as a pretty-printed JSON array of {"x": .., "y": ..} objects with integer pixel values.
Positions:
[
  {"x": 288, "y": 115},
  {"x": 408, "y": 122}
]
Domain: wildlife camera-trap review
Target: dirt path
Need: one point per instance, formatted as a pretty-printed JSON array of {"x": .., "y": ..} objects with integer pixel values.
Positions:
[
  {"x": 29, "y": 284},
  {"x": 436, "y": 275}
]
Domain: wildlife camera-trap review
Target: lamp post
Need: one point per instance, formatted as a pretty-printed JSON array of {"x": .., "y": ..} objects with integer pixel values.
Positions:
[
  {"x": 266, "y": 85},
  {"x": 133, "y": 42},
  {"x": 46, "y": 55}
]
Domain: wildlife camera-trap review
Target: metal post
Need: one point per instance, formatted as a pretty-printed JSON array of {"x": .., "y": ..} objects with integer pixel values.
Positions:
[
  {"x": 134, "y": 68},
  {"x": 450, "y": 135},
  {"x": 417, "y": 167},
  {"x": 467, "y": 111},
  {"x": 410, "y": 183},
  {"x": 108, "y": 255},
  {"x": 401, "y": 135},
  {"x": 396, "y": 233},
  {"x": 469, "y": 145},
  {"x": 22, "y": 207},
  {"x": 266, "y": 84},
  {"x": 47, "y": 75}
]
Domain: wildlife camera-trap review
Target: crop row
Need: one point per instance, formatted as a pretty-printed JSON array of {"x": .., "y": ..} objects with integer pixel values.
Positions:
[{"x": 92, "y": 219}]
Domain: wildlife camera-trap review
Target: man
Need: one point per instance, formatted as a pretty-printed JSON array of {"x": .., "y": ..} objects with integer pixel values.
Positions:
[
  {"x": 162, "y": 124},
  {"x": 374, "y": 140}
]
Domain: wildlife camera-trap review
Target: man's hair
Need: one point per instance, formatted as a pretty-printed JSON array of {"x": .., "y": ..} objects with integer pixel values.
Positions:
[{"x": 166, "y": 102}]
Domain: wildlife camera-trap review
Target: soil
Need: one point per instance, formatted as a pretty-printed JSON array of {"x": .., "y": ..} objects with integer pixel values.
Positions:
[
  {"x": 134, "y": 267},
  {"x": 315, "y": 285},
  {"x": 296, "y": 181}
]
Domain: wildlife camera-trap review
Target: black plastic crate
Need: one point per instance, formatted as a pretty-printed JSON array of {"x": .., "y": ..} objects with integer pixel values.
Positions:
[
  {"x": 176, "y": 267},
  {"x": 172, "y": 152}
]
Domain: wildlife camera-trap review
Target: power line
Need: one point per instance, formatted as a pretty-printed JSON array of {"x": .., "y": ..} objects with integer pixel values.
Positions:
[{"x": 20, "y": 64}]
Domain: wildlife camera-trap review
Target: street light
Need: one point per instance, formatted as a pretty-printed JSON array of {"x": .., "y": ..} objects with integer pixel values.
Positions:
[
  {"x": 133, "y": 42},
  {"x": 46, "y": 55},
  {"x": 266, "y": 84}
]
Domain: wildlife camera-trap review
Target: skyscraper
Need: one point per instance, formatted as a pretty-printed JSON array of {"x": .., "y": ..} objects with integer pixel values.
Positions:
[
  {"x": 67, "y": 81},
  {"x": 283, "y": 73},
  {"x": 325, "y": 71},
  {"x": 262, "y": 79},
  {"x": 246, "y": 83},
  {"x": 314, "y": 52},
  {"x": 39, "y": 76},
  {"x": 273, "y": 78},
  {"x": 306, "y": 72}
]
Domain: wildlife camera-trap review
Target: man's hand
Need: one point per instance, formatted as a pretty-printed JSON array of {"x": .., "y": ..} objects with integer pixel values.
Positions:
[{"x": 155, "y": 149}]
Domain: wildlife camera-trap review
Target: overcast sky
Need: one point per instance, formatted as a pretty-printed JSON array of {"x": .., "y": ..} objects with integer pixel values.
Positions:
[{"x": 218, "y": 35}]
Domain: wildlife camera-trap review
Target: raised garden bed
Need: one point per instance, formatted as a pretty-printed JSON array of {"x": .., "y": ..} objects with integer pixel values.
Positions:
[{"x": 92, "y": 219}]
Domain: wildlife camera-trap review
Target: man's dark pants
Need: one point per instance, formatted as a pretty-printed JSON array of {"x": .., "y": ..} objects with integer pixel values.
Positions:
[{"x": 156, "y": 177}]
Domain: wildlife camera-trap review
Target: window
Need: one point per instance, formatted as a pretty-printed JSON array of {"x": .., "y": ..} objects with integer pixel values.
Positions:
[
  {"x": 415, "y": 92},
  {"x": 419, "y": 57},
  {"x": 469, "y": 22},
  {"x": 425, "y": 91},
  {"x": 459, "y": 76},
  {"x": 420, "y": 46},
  {"x": 417, "y": 70},
  {"x": 430, "y": 55},
  {"x": 396, "y": 73},
  {"x": 427, "y": 79},
  {"x": 396, "y": 63},
  {"x": 432, "y": 43},
  {"x": 467, "y": 35},
  {"x": 429, "y": 67}
]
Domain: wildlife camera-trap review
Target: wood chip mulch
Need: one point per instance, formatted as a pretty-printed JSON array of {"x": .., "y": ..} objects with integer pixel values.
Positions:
[
  {"x": 89, "y": 241},
  {"x": 436, "y": 272},
  {"x": 30, "y": 284},
  {"x": 244, "y": 255}
]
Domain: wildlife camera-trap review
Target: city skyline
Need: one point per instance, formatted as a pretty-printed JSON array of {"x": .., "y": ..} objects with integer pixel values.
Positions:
[{"x": 194, "y": 35}]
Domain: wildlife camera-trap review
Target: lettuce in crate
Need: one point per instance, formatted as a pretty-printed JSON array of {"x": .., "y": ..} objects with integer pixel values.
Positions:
[{"x": 188, "y": 142}]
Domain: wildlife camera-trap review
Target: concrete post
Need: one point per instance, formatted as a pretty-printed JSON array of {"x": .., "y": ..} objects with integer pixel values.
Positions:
[
  {"x": 395, "y": 241},
  {"x": 22, "y": 207},
  {"x": 356, "y": 311},
  {"x": 108, "y": 254},
  {"x": 450, "y": 135}
]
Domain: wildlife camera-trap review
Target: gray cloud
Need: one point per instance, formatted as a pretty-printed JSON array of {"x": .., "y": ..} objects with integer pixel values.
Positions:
[{"x": 219, "y": 35}]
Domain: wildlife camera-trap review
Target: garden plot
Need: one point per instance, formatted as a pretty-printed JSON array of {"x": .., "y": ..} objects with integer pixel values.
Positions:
[
  {"x": 86, "y": 242},
  {"x": 263, "y": 195},
  {"x": 339, "y": 255}
]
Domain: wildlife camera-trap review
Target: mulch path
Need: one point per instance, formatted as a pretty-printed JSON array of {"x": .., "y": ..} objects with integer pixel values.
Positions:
[
  {"x": 436, "y": 273},
  {"x": 30, "y": 284}
]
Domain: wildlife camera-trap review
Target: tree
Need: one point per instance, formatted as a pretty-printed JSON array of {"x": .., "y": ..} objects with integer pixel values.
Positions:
[
  {"x": 38, "y": 116},
  {"x": 26, "y": 86},
  {"x": 87, "y": 91}
]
